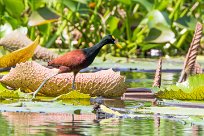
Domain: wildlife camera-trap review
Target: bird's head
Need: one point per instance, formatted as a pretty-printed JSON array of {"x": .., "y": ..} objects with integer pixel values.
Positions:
[{"x": 110, "y": 39}]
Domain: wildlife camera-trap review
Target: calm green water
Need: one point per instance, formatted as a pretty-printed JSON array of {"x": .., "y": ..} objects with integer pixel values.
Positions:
[
  {"x": 40, "y": 125},
  {"x": 145, "y": 79},
  {"x": 52, "y": 124}
]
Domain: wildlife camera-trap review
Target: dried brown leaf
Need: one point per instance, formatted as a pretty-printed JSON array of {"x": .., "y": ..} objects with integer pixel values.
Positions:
[
  {"x": 16, "y": 40},
  {"x": 192, "y": 53},
  {"x": 20, "y": 55},
  {"x": 157, "y": 78}
]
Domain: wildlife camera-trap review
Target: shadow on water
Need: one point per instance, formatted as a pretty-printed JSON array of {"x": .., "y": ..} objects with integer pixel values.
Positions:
[{"x": 43, "y": 124}]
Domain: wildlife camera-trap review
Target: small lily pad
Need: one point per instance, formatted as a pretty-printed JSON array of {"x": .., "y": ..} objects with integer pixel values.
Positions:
[{"x": 73, "y": 95}]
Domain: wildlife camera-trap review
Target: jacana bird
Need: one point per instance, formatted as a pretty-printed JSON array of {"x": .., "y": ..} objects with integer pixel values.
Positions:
[{"x": 78, "y": 59}]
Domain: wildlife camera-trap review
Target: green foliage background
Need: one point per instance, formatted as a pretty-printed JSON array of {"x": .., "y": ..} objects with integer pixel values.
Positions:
[{"x": 139, "y": 25}]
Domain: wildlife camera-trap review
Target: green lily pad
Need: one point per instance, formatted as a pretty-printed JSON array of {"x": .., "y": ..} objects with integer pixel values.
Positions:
[
  {"x": 173, "y": 111},
  {"x": 47, "y": 107},
  {"x": 191, "y": 89}
]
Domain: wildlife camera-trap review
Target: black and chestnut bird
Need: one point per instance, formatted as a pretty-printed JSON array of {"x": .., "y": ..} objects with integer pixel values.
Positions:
[{"x": 79, "y": 59}]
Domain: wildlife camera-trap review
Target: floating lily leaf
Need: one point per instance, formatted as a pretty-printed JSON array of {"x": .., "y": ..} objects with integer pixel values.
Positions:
[
  {"x": 29, "y": 76},
  {"x": 42, "y": 16},
  {"x": 9, "y": 94},
  {"x": 109, "y": 111},
  {"x": 75, "y": 98},
  {"x": 172, "y": 110},
  {"x": 85, "y": 102},
  {"x": 18, "y": 56},
  {"x": 47, "y": 107},
  {"x": 73, "y": 95},
  {"x": 5, "y": 93},
  {"x": 191, "y": 89}
]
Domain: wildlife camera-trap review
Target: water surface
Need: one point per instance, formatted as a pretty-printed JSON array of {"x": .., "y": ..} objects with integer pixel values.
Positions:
[{"x": 58, "y": 123}]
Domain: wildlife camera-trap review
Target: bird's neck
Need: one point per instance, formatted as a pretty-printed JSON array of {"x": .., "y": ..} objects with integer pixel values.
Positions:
[{"x": 94, "y": 50}]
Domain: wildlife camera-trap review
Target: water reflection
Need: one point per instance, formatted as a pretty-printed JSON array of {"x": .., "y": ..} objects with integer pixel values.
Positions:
[
  {"x": 67, "y": 124},
  {"x": 45, "y": 123},
  {"x": 64, "y": 124},
  {"x": 145, "y": 79}
]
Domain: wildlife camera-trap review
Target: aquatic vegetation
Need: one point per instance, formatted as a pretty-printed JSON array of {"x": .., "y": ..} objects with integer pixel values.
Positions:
[
  {"x": 18, "y": 56},
  {"x": 16, "y": 40},
  {"x": 139, "y": 25},
  {"x": 28, "y": 76},
  {"x": 191, "y": 89}
]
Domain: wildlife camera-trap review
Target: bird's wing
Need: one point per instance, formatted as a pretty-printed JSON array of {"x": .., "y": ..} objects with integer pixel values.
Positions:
[{"x": 70, "y": 59}]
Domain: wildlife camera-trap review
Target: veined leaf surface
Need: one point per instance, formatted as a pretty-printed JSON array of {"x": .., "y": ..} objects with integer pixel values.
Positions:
[
  {"x": 191, "y": 89},
  {"x": 18, "y": 56}
]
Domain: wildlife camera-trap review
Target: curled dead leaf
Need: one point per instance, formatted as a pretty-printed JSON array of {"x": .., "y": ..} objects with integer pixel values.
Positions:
[
  {"x": 29, "y": 76},
  {"x": 20, "y": 55},
  {"x": 17, "y": 40}
]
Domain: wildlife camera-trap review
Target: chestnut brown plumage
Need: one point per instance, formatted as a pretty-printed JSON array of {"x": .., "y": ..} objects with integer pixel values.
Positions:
[{"x": 79, "y": 59}]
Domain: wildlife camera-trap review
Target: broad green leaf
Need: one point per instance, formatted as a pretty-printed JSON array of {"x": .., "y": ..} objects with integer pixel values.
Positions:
[
  {"x": 146, "y": 4},
  {"x": 188, "y": 22},
  {"x": 150, "y": 46},
  {"x": 156, "y": 17},
  {"x": 42, "y": 16},
  {"x": 72, "y": 5},
  {"x": 14, "y": 7},
  {"x": 127, "y": 2},
  {"x": 5, "y": 29},
  {"x": 73, "y": 95},
  {"x": 12, "y": 21},
  {"x": 113, "y": 23},
  {"x": 18, "y": 56},
  {"x": 35, "y": 5},
  {"x": 191, "y": 89},
  {"x": 160, "y": 34},
  {"x": 82, "y": 1}
]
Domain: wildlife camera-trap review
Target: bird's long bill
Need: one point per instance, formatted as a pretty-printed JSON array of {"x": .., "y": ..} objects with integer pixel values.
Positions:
[{"x": 117, "y": 44}]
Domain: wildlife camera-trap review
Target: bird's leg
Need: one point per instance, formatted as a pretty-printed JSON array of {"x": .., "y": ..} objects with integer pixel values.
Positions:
[
  {"x": 73, "y": 83},
  {"x": 35, "y": 93}
]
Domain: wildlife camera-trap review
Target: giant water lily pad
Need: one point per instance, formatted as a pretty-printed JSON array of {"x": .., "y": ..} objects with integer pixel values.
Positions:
[{"x": 29, "y": 76}]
